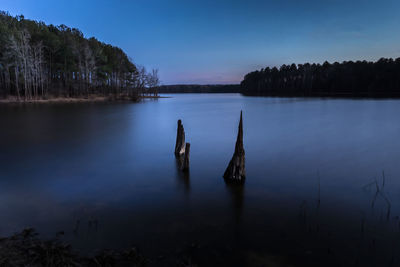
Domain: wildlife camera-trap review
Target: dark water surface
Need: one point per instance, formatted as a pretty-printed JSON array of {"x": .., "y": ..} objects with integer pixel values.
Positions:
[{"x": 106, "y": 174}]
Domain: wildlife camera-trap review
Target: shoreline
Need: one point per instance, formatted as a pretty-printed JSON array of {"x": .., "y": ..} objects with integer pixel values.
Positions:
[{"x": 66, "y": 100}]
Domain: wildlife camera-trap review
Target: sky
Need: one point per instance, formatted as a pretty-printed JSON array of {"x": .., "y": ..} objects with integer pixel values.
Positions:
[{"x": 219, "y": 41}]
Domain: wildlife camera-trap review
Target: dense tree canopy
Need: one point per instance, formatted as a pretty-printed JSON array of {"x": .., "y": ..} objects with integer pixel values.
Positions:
[
  {"x": 41, "y": 61},
  {"x": 361, "y": 78}
]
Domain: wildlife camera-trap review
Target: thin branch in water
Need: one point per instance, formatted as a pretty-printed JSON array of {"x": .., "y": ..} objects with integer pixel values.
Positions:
[
  {"x": 383, "y": 179},
  {"x": 374, "y": 199},
  {"x": 376, "y": 194},
  {"x": 377, "y": 186},
  {"x": 379, "y": 191},
  {"x": 385, "y": 198},
  {"x": 319, "y": 190},
  {"x": 389, "y": 205},
  {"x": 369, "y": 185},
  {"x": 362, "y": 225}
]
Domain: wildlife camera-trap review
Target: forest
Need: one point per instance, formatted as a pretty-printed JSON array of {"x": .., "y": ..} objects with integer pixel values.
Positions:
[
  {"x": 39, "y": 61},
  {"x": 346, "y": 79}
]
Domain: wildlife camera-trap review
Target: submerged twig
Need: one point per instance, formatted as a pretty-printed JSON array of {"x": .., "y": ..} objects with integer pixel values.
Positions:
[
  {"x": 319, "y": 190},
  {"x": 383, "y": 179},
  {"x": 380, "y": 192}
]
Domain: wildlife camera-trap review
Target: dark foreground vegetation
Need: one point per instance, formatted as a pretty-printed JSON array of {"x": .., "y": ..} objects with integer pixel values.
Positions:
[
  {"x": 196, "y": 88},
  {"x": 26, "y": 249},
  {"x": 352, "y": 79},
  {"x": 39, "y": 61}
]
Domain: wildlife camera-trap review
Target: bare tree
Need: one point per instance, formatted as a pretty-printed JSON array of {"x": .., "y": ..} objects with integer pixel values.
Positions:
[{"x": 153, "y": 81}]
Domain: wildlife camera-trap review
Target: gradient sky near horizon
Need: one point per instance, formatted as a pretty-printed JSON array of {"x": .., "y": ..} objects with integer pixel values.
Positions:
[{"x": 219, "y": 41}]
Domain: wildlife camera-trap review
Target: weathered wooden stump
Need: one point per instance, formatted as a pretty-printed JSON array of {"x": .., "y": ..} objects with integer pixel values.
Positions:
[
  {"x": 180, "y": 140},
  {"x": 182, "y": 149},
  {"x": 185, "y": 165},
  {"x": 236, "y": 168}
]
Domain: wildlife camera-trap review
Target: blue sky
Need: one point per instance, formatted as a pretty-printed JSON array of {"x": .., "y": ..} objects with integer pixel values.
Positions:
[{"x": 219, "y": 41}]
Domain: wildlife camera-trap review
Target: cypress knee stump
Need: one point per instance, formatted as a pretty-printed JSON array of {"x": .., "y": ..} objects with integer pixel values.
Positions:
[
  {"x": 180, "y": 140},
  {"x": 236, "y": 169}
]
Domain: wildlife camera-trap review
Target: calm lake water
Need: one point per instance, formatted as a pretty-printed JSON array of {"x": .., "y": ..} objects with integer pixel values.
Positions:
[{"x": 106, "y": 175}]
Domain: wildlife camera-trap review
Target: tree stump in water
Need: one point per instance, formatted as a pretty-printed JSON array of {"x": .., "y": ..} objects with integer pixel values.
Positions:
[
  {"x": 180, "y": 140},
  {"x": 236, "y": 168},
  {"x": 185, "y": 165},
  {"x": 182, "y": 149}
]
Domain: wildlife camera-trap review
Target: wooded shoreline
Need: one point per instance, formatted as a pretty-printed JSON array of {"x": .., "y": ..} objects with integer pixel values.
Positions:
[
  {"x": 66, "y": 100},
  {"x": 39, "y": 61},
  {"x": 379, "y": 79}
]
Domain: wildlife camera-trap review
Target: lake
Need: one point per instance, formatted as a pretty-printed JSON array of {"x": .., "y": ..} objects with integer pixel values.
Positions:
[{"x": 322, "y": 184}]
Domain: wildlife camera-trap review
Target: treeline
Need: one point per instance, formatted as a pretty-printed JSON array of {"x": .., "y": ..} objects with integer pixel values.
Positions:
[
  {"x": 39, "y": 61},
  {"x": 196, "y": 88},
  {"x": 353, "y": 79}
]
